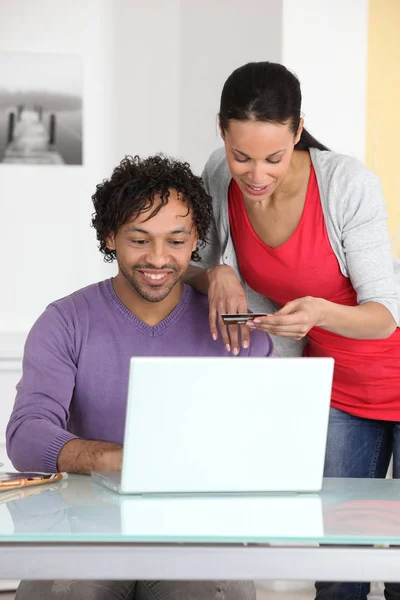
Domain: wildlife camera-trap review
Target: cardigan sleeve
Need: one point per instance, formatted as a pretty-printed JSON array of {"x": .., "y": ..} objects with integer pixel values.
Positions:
[{"x": 366, "y": 242}]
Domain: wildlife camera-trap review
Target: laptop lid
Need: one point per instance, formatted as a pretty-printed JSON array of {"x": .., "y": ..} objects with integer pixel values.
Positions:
[{"x": 209, "y": 425}]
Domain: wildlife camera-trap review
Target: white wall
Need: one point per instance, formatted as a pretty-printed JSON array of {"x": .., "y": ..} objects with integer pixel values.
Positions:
[
  {"x": 216, "y": 38},
  {"x": 325, "y": 44},
  {"x": 171, "y": 60},
  {"x": 147, "y": 76},
  {"x": 48, "y": 248}
]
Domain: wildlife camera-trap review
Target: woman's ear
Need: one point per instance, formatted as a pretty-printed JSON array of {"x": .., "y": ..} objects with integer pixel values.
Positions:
[
  {"x": 221, "y": 131},
  {"x": 299, "y": 131}
]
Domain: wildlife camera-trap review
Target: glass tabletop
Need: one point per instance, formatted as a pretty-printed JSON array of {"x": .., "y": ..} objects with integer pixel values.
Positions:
[{"x": 347, "y": 511}]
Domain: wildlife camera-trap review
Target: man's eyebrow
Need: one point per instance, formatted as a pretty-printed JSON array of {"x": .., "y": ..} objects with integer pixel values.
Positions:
[
  {"x": 182, "y": 230},
  {"x": 247, "y": 156},
  {"x": 134, "y": 229}
]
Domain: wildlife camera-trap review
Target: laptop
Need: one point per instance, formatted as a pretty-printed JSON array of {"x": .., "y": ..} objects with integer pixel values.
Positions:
[{"x": 224, "y": 425}]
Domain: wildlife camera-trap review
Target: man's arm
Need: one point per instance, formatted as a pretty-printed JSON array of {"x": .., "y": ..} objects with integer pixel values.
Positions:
[
  {"x": 85, "y": 456},
  {"x": 37, "y": 436}
]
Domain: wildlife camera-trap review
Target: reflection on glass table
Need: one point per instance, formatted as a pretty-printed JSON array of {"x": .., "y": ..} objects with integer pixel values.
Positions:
[{"x": 347, "y": 511}]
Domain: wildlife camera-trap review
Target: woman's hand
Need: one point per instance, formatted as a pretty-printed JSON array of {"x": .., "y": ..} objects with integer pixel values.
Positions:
[
  {"x": 226, "y": 295},
  {"x": 294, "y": 320}
]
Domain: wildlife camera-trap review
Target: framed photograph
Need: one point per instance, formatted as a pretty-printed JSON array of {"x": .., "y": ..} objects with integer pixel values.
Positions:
[{"x": 41, "y": 109}]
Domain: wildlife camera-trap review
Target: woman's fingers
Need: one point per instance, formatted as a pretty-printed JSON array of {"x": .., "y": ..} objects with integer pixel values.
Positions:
[{"x": 290, "y": 331}]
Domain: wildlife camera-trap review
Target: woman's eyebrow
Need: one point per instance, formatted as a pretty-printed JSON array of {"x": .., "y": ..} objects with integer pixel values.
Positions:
[{"x": 247, "y": 156}]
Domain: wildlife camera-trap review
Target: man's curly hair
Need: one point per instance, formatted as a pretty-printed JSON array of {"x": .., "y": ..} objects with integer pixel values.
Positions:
[{"x": 132, "y": 188}]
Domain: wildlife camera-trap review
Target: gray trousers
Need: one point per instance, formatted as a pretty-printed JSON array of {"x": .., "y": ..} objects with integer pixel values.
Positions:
[{"x": 136, "y": 590}]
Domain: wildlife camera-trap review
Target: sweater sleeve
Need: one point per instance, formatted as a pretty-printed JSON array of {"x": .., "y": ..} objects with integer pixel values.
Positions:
[
  {"x": 37, "y": 429},
  {"x": 366, "y": 242}
]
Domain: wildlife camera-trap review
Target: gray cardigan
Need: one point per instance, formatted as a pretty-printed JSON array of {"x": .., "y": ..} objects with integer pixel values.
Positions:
[{"x": 355, "y": 216}]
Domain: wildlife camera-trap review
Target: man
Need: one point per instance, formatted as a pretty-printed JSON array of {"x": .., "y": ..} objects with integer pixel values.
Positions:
[{"x": 69, "y": 413}]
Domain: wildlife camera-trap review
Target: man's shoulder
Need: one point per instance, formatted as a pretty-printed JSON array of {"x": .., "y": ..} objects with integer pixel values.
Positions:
[
  {"x": 196, "y": 302},
  {"x": 61, "y": 322},
  {"x": 75, "y": 308},
  {"x": 85, "y": 296}
]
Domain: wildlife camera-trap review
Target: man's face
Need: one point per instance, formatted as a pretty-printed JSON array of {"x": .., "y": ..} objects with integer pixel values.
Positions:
[{"x": 153, "y": 255}]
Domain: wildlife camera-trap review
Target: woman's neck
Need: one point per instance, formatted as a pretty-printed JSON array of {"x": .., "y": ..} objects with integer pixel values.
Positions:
[{"x": 293, "y": 182}]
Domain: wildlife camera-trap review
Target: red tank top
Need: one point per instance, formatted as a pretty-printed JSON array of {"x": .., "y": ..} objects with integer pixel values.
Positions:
[{"x": 367, "y": 372}]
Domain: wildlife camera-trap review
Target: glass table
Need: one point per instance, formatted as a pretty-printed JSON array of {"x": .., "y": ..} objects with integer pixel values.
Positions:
[{"x": 81, "y": 530}]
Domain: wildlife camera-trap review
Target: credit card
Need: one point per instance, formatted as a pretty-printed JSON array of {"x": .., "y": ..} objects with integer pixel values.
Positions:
[{"x": 240, "y": 318}]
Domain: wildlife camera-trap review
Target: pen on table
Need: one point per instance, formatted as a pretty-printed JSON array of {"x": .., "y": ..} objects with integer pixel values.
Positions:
[{"x": 25, "y": 481}]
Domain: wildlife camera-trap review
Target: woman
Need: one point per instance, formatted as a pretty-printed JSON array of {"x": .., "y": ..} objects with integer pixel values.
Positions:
[{"x": 306, "y": 228}]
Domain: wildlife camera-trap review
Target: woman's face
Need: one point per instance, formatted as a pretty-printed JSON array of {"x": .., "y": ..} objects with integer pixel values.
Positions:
[{"x": 259, "y": 155}]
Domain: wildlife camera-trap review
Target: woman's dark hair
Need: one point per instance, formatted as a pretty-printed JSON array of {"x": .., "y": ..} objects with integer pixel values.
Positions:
[
  {"x": 265, "y": 91},
  {"x": 131, "y": 191}
]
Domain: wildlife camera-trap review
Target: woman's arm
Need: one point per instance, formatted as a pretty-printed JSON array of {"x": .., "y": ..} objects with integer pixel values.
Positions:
[
  {"x": 366, "y": 242},
  {"x": 365, "y": 321},
  {"x": 198, "y": 278},
  {"x": 220, "y": 282},
  {"x": 361, "y": 212}
]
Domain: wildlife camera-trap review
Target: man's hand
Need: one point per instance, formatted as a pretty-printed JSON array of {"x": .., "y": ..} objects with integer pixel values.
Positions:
[{"x": 85, "y": 456}]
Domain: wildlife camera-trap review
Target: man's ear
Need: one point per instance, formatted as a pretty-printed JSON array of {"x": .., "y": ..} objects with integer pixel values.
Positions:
[
  {"x": 110, "y": 241},
  {"x": 195, "y": 242}
]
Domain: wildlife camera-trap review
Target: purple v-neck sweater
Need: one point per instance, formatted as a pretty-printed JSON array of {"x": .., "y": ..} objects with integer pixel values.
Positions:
[{"x": 76, "y": 366}]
